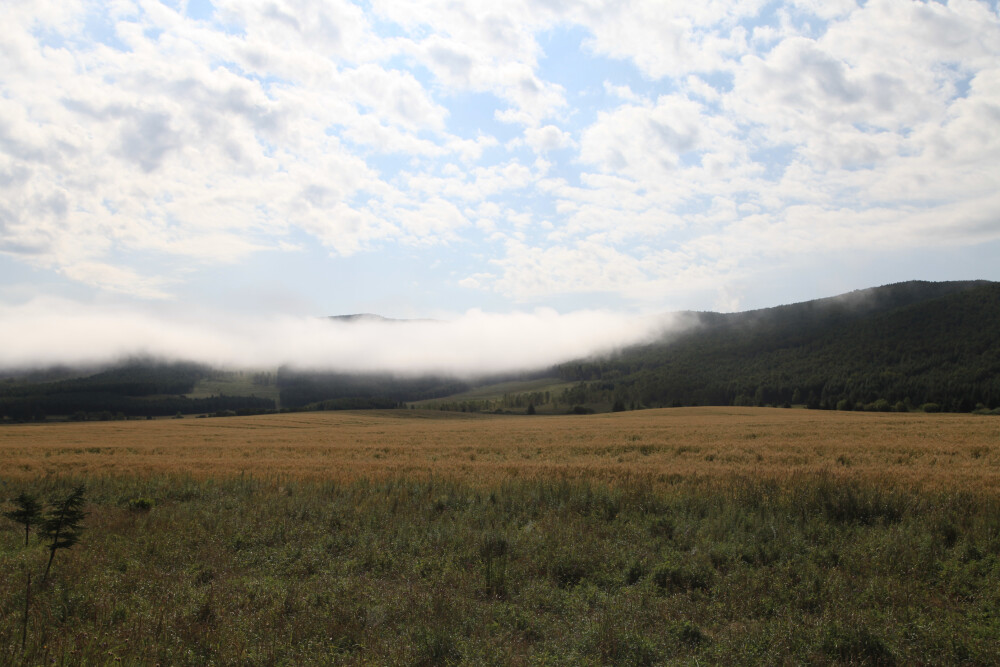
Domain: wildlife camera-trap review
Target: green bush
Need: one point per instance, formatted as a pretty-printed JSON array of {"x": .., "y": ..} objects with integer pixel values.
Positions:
[
  {"x": 141, "y": 504},
  {"x": 682, "y": 574},
  {"x": 856, "y": 646}
]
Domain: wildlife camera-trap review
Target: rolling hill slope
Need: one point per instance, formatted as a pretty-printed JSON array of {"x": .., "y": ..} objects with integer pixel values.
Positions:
[{"x": 911, "y": 342}]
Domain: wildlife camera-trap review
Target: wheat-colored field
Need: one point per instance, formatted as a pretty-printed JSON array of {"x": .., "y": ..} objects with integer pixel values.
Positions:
[{"x": 925, "y": 451}]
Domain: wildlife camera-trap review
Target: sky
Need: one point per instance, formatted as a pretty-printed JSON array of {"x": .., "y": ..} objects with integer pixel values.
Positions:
[{"x": 265, "y": 160}]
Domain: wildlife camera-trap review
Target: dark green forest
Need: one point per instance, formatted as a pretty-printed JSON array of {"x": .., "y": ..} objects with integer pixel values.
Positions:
[
  {"x": 134, "y": 389},
  {"x": 900, "y": 346},
  {"x": 300, "y": 388}
]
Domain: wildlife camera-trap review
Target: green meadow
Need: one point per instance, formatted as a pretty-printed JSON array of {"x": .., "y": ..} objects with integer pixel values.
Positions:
[{"x": 174, "y": 570}]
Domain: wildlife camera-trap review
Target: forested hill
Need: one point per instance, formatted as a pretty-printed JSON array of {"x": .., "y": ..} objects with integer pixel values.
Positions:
[
  {"x": 908, "y": 344},
  {"x": 137, "y": 388},
  {"x": 894, "y": 347}
]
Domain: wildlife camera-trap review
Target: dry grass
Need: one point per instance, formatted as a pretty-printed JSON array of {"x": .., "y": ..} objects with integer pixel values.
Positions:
[{"x": 923, "y": 451}]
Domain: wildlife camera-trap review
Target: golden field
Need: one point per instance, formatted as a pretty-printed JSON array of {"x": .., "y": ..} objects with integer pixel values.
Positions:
[{"x": 919, "y": 450}]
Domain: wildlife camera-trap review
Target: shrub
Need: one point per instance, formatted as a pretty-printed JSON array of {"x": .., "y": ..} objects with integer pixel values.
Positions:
[
  {"x": 662, "y": 526},
  {"x": 568, "y": 572},
  {"x": 856, "y": 646},
  {"x": 675, "y": 575},
  {"x": 568, "y": 568},
  {"x": 618, "y": 646},
  {"x": 851, "y": 502},
  {"x": 635, "y": 572},
  {"x": 141, "y": 504},
  {"x": 436, "y": 647},
  {"x": 689, "y": 634},
  {"x": 493, "y": 549}
]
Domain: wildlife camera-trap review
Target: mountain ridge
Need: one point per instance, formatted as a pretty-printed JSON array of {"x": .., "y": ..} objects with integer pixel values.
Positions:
[
  {"x": 901, "y": 345},
  {"x": 922, "y": 341}
]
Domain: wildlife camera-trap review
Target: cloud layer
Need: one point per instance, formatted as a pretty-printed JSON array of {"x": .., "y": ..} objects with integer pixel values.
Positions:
[
  {"x": 47, "y": 332},
  {"x": 635, "y": 149}
]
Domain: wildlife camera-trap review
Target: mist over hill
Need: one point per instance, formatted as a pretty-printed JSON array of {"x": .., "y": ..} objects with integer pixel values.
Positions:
[{"x": 897, "y": 346}]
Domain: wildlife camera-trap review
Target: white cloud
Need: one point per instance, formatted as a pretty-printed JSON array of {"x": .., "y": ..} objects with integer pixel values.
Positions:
[
  {"x": 621, "y": 92},
  {"x": 396, "y": 96},
  {"x": 116, "y": 279},
  {"x": 476, "y": 280},
  {"x": 548, "y": 138},
  {"x": 638, "y": 141},
  {"x": 719, "y": 144},
  {"x": 673, "y": 150},
  {"x": 480, "y": 48},
  {"x": 670, "y": 39},
  {"x": 172, "y": 148},
  {"x": 587, "y": 266},
  {"x": 699, "y": 88},
  {"x": 477, "y": 342},
  {"x": 476, "y": 185},
  {"x": 334, "y": 28}
]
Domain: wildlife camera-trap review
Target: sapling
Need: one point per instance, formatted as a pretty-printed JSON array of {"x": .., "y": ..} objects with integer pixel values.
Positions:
[
  {"x": 493, "y": 551},
  {"x": 28, "y": 512},
  {"x": 62, "y": 525}
]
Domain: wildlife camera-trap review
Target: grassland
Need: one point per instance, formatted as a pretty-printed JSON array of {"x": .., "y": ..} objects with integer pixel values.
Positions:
[
  {"x": 689, "y": 536},
  {"x": 495, "y": 392},
  {"x": 943, "y": 451},
  {"x": 234, "y": 384}
]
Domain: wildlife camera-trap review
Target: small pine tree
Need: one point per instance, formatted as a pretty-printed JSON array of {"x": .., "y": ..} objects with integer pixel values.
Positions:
[
  {"x": 62, "y": 524},
  {"x": 28, "y": 512}
]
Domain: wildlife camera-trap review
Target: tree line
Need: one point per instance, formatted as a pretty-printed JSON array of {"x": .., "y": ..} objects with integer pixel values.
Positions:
[{"x": 136, "y": 389}]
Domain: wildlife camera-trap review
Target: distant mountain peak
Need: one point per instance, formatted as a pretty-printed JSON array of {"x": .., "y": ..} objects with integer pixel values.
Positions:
[
  {"x": 362, "y": 317},
  {"x": 371, "y": 317}
]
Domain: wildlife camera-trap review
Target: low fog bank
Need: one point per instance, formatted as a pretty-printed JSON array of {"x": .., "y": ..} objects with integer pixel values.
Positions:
[{"x": 47, "y": 333}]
